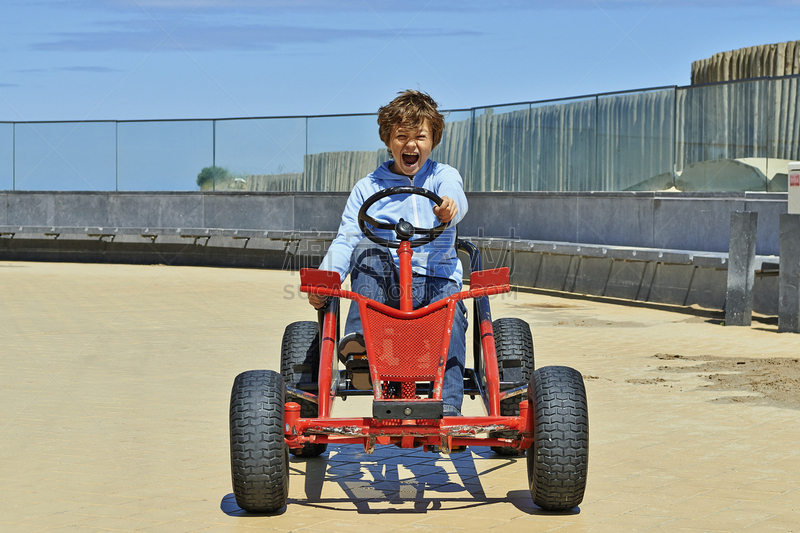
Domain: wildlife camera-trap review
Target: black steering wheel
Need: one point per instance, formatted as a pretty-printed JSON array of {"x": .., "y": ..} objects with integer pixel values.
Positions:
[{"x": 404, "y": 229}]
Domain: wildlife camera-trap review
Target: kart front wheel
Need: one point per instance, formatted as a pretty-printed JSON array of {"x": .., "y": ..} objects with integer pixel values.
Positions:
[
  {"x": 559, "y": 457},
  {"x": 259, "y": 455}
]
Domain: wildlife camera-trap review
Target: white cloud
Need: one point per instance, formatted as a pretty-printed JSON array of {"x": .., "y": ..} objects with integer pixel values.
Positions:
[{"x": 188, "y": 36}]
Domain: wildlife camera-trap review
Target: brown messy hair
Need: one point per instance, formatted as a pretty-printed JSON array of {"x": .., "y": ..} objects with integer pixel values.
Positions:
[{"x": 409, "y": 111}]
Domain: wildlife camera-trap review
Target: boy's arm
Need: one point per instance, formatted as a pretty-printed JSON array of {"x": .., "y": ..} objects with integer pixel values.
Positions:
[
  {"x": 337, "y": 258},
  {"x": 450, "y": 187}
]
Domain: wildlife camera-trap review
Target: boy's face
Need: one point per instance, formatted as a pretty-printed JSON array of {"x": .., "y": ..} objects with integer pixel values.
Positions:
[{"x": 410, "y": 149}]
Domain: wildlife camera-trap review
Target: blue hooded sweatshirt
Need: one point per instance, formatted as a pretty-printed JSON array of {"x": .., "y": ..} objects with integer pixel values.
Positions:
[{"x": 438, "y": 258}]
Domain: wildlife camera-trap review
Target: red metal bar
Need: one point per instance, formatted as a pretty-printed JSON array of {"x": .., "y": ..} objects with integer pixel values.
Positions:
[
  {"x": 490, "y": 367},
  {"x": 463, "y": 295},
  {"x": 526, "y": 416},
  {"x": 371, "y": 426},
  {"x": 377, "y": 387},
  {"x": 434, "y": 440},
  {"x": 291, "y": 415},
  {"x": 458, "y": 431},
  {"x": 327, "y": 353},
  {"x": 438, "y": 383},
  {"x": 404, "y": 254}
]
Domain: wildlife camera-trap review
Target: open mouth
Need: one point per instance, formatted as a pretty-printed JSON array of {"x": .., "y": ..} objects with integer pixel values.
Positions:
[{"x": 410, "y": 159}]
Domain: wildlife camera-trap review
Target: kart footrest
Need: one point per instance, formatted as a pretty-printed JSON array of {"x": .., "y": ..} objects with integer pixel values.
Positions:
[{"x": 407, "y": 410}]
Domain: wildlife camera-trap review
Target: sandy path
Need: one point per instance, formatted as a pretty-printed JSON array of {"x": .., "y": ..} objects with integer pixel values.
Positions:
[{"x": 115, "y": 390}]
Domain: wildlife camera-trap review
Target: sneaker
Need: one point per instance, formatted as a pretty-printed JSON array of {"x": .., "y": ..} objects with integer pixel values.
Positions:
[
  {"x": 351, "y": 344},
  {"x": 357, "y": 368},
  {"x": 353, "y": 353}
]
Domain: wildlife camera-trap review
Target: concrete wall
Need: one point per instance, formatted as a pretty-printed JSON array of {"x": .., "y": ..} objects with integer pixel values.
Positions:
[
  {"x": 668, "y": 248},
  {"x": 679, "y": 221},
  {"x": 225, "y": 210}
]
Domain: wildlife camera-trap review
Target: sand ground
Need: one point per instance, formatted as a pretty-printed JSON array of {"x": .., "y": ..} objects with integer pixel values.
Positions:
[{"x": 116, "y": 382}]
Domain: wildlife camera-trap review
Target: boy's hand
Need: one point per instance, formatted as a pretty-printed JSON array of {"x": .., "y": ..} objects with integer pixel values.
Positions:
[
  {"x": 447, "y": 211},
  {"x": 316, "y": 300}
]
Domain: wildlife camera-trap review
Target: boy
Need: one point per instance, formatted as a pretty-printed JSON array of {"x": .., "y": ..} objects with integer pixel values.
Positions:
[{"x": 411, "y": 127}]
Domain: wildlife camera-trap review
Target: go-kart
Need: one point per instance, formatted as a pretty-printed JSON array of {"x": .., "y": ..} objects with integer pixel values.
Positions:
[{"x": 273, "y": 415}]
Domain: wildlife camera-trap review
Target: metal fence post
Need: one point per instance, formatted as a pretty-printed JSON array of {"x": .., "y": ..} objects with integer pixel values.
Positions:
[{"x": 14, "y": 156}]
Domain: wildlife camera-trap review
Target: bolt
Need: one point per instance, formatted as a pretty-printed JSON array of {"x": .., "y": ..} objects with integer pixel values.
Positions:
[{"x": 407, "y": 411}]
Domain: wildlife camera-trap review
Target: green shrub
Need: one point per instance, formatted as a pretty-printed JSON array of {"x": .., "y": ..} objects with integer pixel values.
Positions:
[{"x": 210, "y": 175}]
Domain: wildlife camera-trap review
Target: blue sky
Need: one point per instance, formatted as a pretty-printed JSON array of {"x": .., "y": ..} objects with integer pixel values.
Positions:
[{"x": 152, "y": 59}]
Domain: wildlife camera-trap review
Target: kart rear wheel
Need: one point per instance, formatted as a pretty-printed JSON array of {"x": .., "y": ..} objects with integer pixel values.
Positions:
[
  {"x": 513, "y": 343},
  {"x": 559, "y": 457},
  {"x": 259, "y": 455},
  {"x": 300, "y": 364}
]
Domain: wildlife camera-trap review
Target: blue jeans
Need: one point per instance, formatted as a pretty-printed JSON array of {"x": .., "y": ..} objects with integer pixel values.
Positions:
[{"x": 375, "y": 276}]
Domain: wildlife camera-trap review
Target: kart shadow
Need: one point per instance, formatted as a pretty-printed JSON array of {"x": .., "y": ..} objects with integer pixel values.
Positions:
[{"x": 393, "y": 480}]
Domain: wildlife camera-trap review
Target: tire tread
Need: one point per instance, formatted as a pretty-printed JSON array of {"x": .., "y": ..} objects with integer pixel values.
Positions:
[
  {"x": 300, "y": 363},
  {"x": 259, "y": 456},
  {"x": 558, "y": 459},
  {"x": 515, "y": 361}
]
